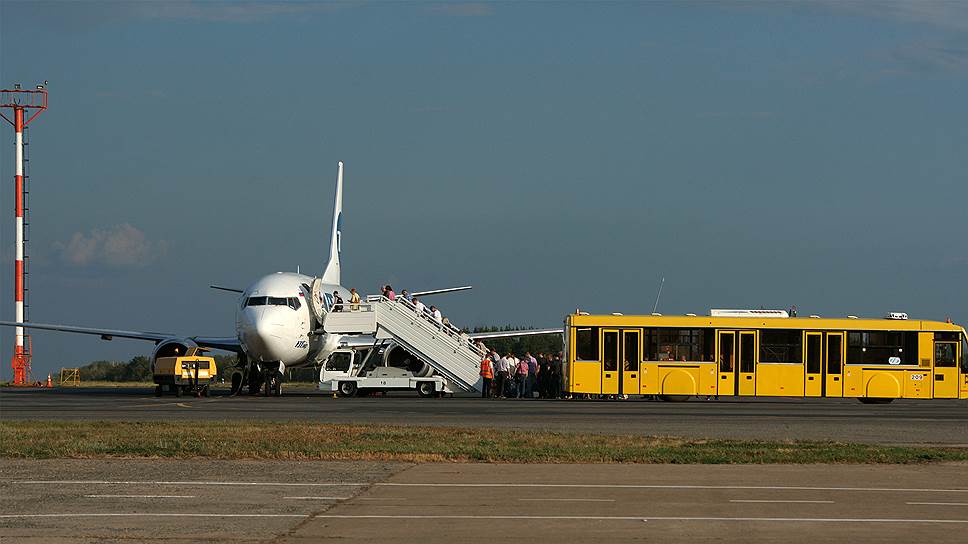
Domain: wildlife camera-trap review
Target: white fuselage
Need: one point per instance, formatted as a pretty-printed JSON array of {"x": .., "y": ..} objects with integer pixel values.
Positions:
[{"x": 274, "y": 321}]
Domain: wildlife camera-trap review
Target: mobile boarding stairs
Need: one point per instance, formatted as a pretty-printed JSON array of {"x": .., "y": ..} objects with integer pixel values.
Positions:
[{"x": 451, "y": 353}]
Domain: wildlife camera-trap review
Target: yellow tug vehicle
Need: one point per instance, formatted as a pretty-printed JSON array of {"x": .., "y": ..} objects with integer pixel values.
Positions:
[{"x": 191, "y": 373}]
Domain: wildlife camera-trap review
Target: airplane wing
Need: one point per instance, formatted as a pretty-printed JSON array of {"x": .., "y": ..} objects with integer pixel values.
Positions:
[
  {"x": 440, "y": 291},
  {"x": 226, "y": 344},
  {"x": 509, "y": 334},
  {"x": 229, "y": 289}
]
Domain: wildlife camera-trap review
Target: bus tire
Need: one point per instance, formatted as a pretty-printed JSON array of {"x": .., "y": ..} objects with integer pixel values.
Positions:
[
  {"x": 426, "y": 389},
  {"x": 875, "y": 400},
  {"x": 675, "y": 398},
  {"x": 347, "y": 389},
  {"x": 157, "y": 390}
]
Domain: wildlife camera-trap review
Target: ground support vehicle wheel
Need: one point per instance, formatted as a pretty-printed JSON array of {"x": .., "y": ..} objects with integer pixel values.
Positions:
[
  {"x": 347, "y": 389},
  {"x": 178, "y": 390},
  {"x": 426, "y": 389},
  {"x": 205, "y": 391},
  {"x": 157, "y": 390},
  {"x": 871, "y": 400}
]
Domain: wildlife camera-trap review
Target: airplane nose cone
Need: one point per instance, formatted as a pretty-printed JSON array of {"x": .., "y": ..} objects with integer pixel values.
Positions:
[{"x": 264, "y": 338}]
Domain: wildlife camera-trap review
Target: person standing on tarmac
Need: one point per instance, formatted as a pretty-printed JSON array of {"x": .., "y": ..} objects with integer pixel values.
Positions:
[
  {"x": 487, "y": 374},
  {"x": 532, "y": 375},
  {"x": 522, "y": 376},
  {"x": 502, "y": 376}
]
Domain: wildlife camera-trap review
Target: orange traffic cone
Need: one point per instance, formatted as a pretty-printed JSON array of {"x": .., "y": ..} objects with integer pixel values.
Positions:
[{"x": 49, "y": 384}]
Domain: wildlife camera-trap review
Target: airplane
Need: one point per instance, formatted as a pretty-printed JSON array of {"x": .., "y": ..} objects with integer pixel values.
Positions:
[{"x": 278, "y": 322}]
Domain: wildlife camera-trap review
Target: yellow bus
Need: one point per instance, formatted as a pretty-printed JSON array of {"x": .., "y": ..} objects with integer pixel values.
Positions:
[{"x": 759, "y": 353}]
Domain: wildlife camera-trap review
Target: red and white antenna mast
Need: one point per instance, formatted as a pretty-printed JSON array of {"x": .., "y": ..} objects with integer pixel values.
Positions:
[{"x": 26, "y": 106}]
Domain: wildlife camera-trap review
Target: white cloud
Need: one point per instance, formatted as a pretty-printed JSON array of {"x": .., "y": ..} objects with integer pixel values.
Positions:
[{"x": 118, "y": 246}]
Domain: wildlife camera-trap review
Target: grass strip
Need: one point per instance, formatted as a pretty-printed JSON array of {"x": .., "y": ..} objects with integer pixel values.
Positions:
[{"x": 317, "y": 441}]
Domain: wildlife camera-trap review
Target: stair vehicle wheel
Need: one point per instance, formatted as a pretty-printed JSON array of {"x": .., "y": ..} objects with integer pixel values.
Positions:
[
  {"x": 426, "y": 389},
  {"x": 347, "y": 389},
  {"x": 178, "y": 391}
]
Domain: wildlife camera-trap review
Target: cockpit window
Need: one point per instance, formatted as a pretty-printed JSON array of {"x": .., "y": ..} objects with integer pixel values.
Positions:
[{"x": 292, "y": 302}]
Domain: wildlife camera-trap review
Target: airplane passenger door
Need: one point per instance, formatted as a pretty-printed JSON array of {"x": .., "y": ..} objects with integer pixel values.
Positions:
[
  {"x": 747, "y": 363},
  {"x": 631, "y": 357},
  {"x": 834, "y": 376},
  {"x": 813, "y": 386},
  {"x": 727, "y": 363},
  {"x": 610, "y": 358}
]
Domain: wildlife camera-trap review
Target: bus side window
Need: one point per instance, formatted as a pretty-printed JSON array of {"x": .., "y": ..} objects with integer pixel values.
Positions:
[{"x": 586, "y": 344}]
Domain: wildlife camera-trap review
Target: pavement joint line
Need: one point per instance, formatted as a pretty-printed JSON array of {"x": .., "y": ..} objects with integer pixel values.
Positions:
[
  {"x": 319, "y": 498},
  {"x": 140, "y": 496},
  {"x": 149, "y": 514},
  {"x": 939, "y": 503},
  {"x": 570, "y": 500},
  {"x": 769, "y": 501},
  {"x": 639, "y": 518},
  {"x": 202, "y": 482},
  {"x": 672, "y": 486}
]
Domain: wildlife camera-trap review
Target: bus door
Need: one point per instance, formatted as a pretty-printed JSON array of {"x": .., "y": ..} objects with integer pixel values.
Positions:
[
  {"x": 727, "y": 363},
  {"x": 746, "y": 378},
  {"x": 610, "y": 358},
  {"x": 834, "y": 376},
  {"x": 946, "y": 358},
  {"x": 813, "y": 386},
  {"x": 631, "y": 357}
]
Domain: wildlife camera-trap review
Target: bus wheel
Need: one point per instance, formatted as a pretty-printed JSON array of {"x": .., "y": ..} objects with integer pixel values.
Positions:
[
  {"x": 157, "y": 390},
  {"x": 675, "y": 398},
  {"x": 874, "y": 400},
  {"x": 425, "y": 389},
  {"x": 347, "y": 389}
]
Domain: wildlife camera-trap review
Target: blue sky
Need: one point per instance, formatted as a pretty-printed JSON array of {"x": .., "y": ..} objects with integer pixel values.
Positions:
[{"x": 554, "y": 155}]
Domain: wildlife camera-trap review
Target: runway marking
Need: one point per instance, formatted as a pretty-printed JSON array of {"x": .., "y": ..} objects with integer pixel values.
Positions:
[
  {"x": 758, "y": 500},
  {"x": 571, "y": 500},
  {"x": 318, "y": 498},
  {"x": 473, "y": 485},
  {"x": 940, "y": 503},
  {"x": 131, "y": 482},
  {"x": 470, "y": 517},
  {"x": 182, "y": 405},
  {"x": 641, "y": 518},
  {"x": 151, "y": 515},
  {"x": 140, "y": 496}
]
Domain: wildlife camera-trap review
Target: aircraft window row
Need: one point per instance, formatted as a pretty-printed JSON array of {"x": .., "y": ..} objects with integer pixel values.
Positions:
[
  {"x": 292, "y": 302},
  {"x": 781, "y": 346},
  {"x": 882, "y": 348}
]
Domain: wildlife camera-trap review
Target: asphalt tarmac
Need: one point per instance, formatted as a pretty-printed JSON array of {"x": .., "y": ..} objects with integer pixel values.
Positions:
[
  {"x": 80, "y": 501},
  {"x": 943, "y": 422}
]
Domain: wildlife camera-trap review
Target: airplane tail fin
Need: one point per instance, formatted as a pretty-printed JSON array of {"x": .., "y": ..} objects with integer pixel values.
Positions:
[{"x": 331, "y": 275}]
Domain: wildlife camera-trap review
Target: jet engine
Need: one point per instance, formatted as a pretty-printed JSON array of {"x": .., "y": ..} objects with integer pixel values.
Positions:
[{"x": 176, "y": 347}]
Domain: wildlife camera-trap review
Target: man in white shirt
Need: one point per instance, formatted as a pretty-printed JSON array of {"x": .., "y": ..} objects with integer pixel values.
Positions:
[
  {"x": 418, "y": 306},
  {"x": 438, "y": 317}
]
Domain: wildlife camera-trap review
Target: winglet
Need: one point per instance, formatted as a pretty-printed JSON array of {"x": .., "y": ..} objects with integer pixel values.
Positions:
[{"x": 332, "y": 273}]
